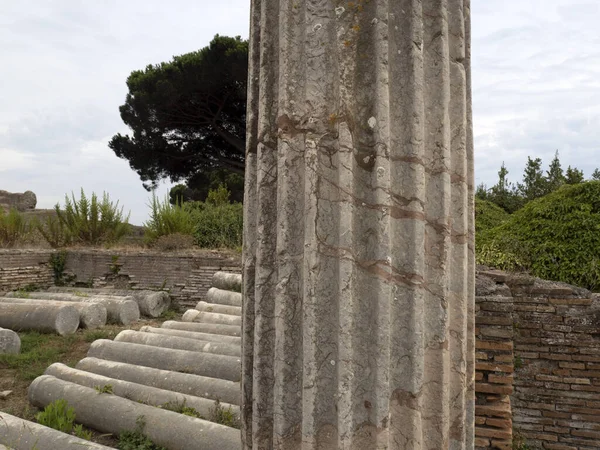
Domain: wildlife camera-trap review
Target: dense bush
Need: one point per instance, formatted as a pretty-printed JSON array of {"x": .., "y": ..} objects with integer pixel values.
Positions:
[
  {"x": 219, "y": 226},
  {"x": 13, "y": 228},
  {"x": 556, "y": 237},
  {"x": 488, "y": 215},
  {"x": 215, "y": 223},
  {"x": 85, "y": 221},
  {"x": 167, "y": 219}
]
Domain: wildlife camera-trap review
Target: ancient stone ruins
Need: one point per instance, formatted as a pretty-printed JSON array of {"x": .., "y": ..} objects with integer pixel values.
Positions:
[
  {"x": 21, "y": 202},
  {"x": 359, "y": 278}
]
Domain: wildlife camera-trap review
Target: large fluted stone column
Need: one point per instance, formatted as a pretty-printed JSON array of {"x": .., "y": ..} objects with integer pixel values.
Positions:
[{"x": 358, "y": 260}]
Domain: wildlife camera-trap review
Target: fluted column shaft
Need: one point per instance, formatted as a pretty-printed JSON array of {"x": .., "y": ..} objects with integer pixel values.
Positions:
[{"x": 358, "y": 267}]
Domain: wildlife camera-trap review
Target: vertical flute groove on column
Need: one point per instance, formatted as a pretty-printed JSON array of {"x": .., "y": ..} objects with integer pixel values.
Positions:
[{"x": 358, "y": 227}]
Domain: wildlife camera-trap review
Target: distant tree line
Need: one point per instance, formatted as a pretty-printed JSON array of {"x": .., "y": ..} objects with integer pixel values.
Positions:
[{"x": 535, "y": 183}]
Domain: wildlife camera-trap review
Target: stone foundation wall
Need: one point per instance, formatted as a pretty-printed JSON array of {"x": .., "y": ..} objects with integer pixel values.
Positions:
[{"x": 186, "y": 276}]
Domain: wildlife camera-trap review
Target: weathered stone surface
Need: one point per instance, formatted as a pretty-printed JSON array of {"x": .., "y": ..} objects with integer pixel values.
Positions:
[
  {"x": 25, "y": 201},
  {"x": 222, "y": 297},
  {"x": 228, "y": 330},
  {"x": 210, "y": 337},
  {"x": 166, "y": 428},
  {"x": 186, "y": 383},
  {"x": 9, "y": 342},
  {"x": 198, "y": 363},
  {"x": 220, "y": 309},
  {"x": 121, "y": 310},
  {"x": 91, "y": 315},
  {"x": 151, "y": 303},
  {"x": 358, "y": 261},
  {"x": 193, "y": 315},
  {"x": 43, "y": 318},
  {"x": 19, "y": 434},
  {"x": 227, "y": 281},
  {"x": 135, "y": 391},
  {"x": 177, "y": 342}
]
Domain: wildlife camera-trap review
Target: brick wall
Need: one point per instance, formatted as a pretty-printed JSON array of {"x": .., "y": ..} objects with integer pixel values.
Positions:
[
  {"x": 556, "y": 341},
  {"x": 493, "y": 365},
  {"x": 556, "y": 404},
  {"x": 187, "y": 276},
  {"x": 18, "y": 268}
]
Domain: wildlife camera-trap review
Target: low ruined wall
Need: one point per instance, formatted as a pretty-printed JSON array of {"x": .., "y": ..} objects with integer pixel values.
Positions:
[
  {"x": 557, "y": 354},
  {"x": 494, "y": 367},
  {"x": 186, "y": 276},
  {"x": 19, "y": 268},
  {"x": 537, "y": 342},
  {"x": 556, "y": 341}
]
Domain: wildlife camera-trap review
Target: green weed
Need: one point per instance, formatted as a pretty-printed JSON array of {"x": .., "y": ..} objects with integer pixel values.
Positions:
[{"x": 58, "y": 415}]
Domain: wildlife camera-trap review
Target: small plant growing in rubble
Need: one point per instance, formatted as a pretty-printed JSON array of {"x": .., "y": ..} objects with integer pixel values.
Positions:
[
  {"x": 58, "y": 415},
  {"x": 106, "y": 389},
  {"x": 136, "y": 439}
]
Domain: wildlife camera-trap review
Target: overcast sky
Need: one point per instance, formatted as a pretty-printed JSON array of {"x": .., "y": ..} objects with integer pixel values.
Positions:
[{"x": 536, "y": 85}]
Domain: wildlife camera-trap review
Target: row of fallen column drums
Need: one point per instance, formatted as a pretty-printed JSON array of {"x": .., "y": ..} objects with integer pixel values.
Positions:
[
  {"x": 193, "y": 362},
  {"x": 64, "y": 310}
]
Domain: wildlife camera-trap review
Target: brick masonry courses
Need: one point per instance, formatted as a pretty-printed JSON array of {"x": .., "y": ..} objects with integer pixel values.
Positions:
[
  {"x": 537, "y": 347},
  {"x": 187, "y": 276}
]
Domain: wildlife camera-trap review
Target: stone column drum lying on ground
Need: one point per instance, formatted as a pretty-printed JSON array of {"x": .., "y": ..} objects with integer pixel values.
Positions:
[
  {"x": 221, "y": 297},
  {"x": 10, "y": 343},
  {"x": 121, "y": 310},
  {"x": 19, "y": 434},
  {"x": 192, "y": 335},
  {"x": 112, "y": 414},
  {"x": 91, "y": 315},
  {"x": 193, "y": 315},
  {"x": 228, "y": 330},
  {"x": 151, "y": 303},
  {"x": 134, "y": 391},
  {"x": 179, "y": 343},
  {"x": 219, "y": 309},
  {"x": 43, "y": 318},
  {"x": 205, "y": 364},
  {"x": 227, "y": 281},
  {"x": 358, "y": 261},
  {"x": 196, "y": 385}
]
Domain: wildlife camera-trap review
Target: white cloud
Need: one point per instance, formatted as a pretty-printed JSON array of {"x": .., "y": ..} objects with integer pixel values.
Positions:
[{"x": 13, "y": 160}]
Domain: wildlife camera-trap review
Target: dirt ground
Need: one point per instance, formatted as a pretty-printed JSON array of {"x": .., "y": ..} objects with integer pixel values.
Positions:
[{"x": 38, "y": 351}]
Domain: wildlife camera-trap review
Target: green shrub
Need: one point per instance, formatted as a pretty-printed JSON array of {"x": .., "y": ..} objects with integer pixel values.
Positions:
[
  {"x": 219, "y": 226},
  {"x": 58, "y": 415},
  {"x": 166, "y": 219},
  {"x": 556, "y": 237},
  {"x": 488, "y": 215},
  {"x": 85, "y": 221},
  {"x": 13, "y": 227},
  {"x": 81, "y": 432}
]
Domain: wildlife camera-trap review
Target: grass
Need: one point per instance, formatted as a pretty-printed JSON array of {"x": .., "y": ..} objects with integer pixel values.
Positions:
[{"x": 38, "y": 351}]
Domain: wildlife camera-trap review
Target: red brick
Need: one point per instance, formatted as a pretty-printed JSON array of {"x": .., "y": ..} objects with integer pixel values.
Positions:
[
  {"x": 493, "y": 433},
  {"x": 493, "y": 388}
]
